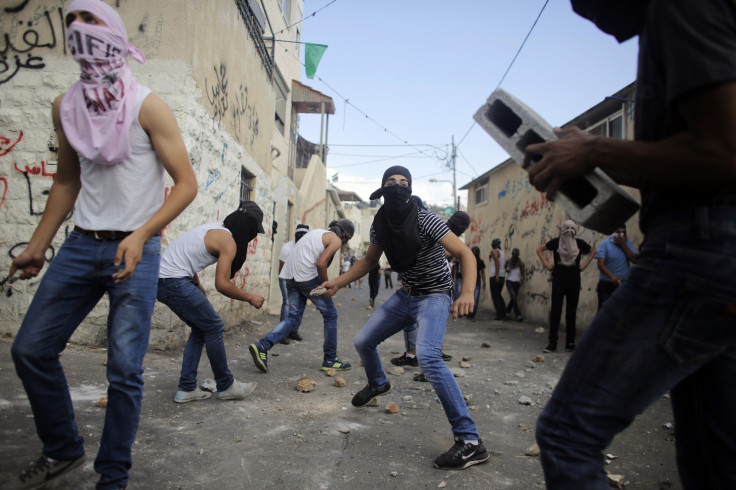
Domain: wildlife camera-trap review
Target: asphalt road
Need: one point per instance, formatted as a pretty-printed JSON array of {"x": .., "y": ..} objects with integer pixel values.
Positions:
[{"x": 281, "y": 438}]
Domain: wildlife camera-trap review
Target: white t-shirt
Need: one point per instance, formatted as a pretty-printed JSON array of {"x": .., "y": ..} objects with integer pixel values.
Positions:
[
  {"x": 188, "y": 254},
  {"x": 302, "y": 262},
  {"x": 286, "y": 250}
]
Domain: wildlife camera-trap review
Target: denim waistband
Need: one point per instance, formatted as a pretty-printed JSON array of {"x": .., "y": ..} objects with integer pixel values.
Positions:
[
  {"x": 702, "y": 222},
  {"x": 424, "y": 292}
]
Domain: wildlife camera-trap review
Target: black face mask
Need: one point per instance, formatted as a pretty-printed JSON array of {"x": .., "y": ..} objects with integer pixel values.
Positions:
[
  {"x": 623, "y": 19},
  {"x": 396, "y": 196}
]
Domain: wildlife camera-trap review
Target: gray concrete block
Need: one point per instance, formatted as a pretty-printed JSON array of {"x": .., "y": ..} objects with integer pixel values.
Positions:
[{"x": 593, "y": 200}]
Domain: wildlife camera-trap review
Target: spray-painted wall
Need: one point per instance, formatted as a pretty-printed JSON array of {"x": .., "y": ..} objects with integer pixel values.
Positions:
[
  {"x": 202, "y": 63},
  {"x": 523, "y": 218}
]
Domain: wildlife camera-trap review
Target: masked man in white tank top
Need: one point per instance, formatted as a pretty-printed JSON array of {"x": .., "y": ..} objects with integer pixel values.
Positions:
[{"x": 116, "y": 140}]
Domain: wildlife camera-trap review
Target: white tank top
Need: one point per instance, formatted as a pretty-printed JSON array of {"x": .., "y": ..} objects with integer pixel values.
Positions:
[
  {"x": 124, "y": 196},
  {"x": 188, "y": 254},
  {"x": 501, "y": 264},
  {"x": 301, "y": 264}
]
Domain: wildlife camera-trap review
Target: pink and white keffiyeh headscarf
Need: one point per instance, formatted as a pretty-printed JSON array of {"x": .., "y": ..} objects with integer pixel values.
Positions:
[
  {"x": 98, "y": 109},
  {"x": 568, "y": 246}
]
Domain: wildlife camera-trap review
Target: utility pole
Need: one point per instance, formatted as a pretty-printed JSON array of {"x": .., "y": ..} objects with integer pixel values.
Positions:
[{"x": 455, "y": 203}]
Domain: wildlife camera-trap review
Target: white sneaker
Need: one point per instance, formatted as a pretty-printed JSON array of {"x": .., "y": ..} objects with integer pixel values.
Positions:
[
  {"x": 191, "y": 396},
  {"x": 238, "y": 391}
]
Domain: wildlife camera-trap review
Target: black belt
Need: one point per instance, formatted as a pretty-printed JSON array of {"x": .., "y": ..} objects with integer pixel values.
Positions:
[
  {"x": 104, "y": 234},
  {"x": 424, "y": 292}
]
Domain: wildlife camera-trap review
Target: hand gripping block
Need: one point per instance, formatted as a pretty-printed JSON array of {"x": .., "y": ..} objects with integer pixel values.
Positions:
[{"x": 593, "y": 200}]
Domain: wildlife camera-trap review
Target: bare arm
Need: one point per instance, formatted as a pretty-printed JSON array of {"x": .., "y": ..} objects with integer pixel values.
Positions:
[
  {"x": 62, "y": 196},
  {"x": 332, "y": 244},
  {"x": 587, "y": 262},
  {"x": 464, "y": 303},
  {"x": 522, "y": 267},
  {"x": 158, "y": 121},
  {"x": 220, "y": 244},
  {"x": 495, "y": 255},
  {"x": 540, "y": 254},
  {"x": 358, "y": 270},
  {"x": 705, "y": 154}
]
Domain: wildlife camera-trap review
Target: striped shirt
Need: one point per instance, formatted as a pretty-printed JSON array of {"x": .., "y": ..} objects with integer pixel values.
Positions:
[{"x": 430, "y": 272}]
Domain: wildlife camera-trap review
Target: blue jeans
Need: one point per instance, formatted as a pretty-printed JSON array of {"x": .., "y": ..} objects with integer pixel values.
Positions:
[
  {"x": 430, "y": 312},
  {"x": 208, "y": 330},
  {"x": 298, "y": 294},
  {"x": 513, "y": 289},
  {"x": 670, "y": 326},
  {"x": 80, "y": 274}
]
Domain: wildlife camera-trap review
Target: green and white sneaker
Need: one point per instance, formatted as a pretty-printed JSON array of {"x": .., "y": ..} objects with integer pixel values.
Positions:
[
  {"x": 337, "y": 365},
  {"x": 260, "y": 356}
]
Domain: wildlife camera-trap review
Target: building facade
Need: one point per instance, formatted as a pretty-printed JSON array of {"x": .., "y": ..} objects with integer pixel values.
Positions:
[{"x": 223, "y": 69}]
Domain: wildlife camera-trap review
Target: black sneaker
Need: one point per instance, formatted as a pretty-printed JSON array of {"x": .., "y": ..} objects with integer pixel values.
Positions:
[
  {"x": 446, "y": 357},
  {"x": 550, "y": 348},
  {"x": 43, "y": 471},
  {"x": 260, "y": 356},
  {"x": 364, "y": 396},
  {"x": 405, "y": 360},
  {"x": 285, "y": 341},
  {"x": 570, "y": 346},
  {"x": 462, "y": 455},
  {"x": 295, "y": 336}
]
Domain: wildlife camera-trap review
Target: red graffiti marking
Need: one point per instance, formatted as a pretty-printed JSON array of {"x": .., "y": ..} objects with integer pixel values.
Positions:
[
  {"x": 7, "y": 145},
  {"x": 534, "y": 207},
  {"x": 241, "y": 278},
  {"x": 304, "y": 216},
  {"x": 252, "y": 247},
  {"x": 5, "y": 190},
  {"x": 475, "y": 231},
  {"x": 35, "y": 170}
]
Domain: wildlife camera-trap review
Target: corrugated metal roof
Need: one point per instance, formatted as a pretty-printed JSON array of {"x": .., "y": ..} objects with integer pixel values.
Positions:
[{"x": 306, "y": 100}]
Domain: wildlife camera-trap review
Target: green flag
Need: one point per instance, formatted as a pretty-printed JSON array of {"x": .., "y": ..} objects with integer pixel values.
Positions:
[{"x": 312, "y": 54}]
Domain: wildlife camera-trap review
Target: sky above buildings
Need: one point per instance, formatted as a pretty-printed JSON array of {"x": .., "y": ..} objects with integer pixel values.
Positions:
[{"x": 407, "y": 76}]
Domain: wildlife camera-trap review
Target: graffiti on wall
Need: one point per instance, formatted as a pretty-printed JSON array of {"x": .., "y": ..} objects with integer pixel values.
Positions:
[
  {"x": 32, "y": 33},
  {"x": 34, "y": 196},
  {"x": 232, "y": 104}
]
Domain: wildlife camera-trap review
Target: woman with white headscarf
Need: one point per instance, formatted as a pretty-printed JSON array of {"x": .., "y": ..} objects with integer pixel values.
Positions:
[{"x": 567, "y": 250}]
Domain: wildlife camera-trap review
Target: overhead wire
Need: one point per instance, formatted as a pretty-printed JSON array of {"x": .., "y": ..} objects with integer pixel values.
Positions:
[{"x": 510, "y": 64}]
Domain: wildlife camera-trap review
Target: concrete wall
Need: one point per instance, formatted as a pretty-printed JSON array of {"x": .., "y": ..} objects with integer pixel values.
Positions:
[{"x": 203, "y": 64}]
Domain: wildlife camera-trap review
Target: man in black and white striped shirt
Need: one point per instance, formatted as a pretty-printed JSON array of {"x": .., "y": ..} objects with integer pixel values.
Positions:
[{"x": 414, "y": 241}]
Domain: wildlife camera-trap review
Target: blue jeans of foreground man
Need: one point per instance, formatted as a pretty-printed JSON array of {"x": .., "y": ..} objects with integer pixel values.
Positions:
[
  {"x": 670, "y": 326},
  {"x": 430, "y": 312},
  {"x": 208, "y": 330},
  {"x": 298, "y": 294},
  {"x": 79, "y": 275}
]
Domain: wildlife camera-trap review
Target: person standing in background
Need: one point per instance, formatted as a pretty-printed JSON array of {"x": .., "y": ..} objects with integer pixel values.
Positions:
[
  {"x": 301, "y": 230},
  {"x": 480, "y": 277},
  {"x": 515, "y": 271},
  {"x": 498, "y": 275},
  {"x": 566, "y": 268},
  {"x": 614, "y": 255}
]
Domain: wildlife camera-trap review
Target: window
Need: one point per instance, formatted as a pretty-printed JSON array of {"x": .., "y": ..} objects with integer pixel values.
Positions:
[
  {"x": 611, "y": 127},
  {"x": 280, "y": 90},
  {"x": 246, "y": 184},
  {"x": 286, "y": 10},
  {"x": 481, "y": 194}
]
